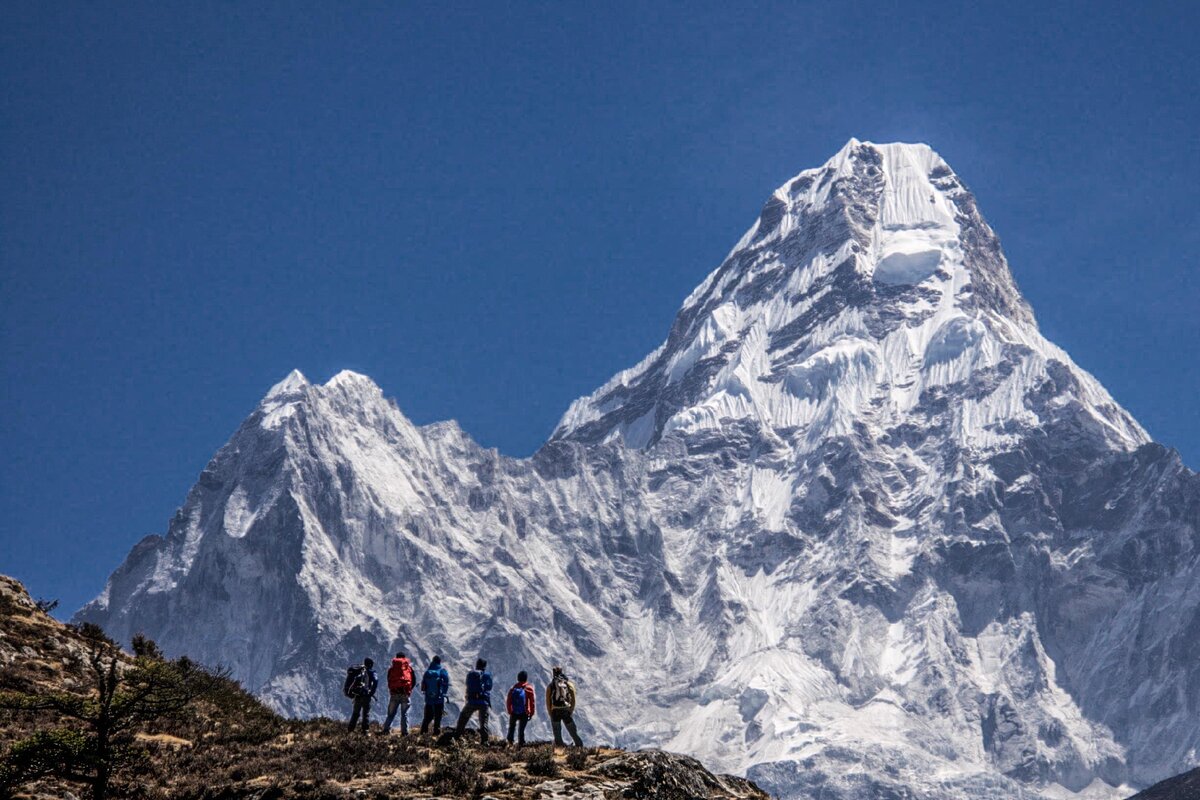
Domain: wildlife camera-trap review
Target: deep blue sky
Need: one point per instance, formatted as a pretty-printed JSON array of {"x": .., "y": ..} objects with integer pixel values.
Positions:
[{"x": 490, "y": 210}]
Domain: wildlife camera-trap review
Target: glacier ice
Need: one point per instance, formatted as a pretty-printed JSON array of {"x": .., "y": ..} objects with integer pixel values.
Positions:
[{"x": 900, "y": 267}]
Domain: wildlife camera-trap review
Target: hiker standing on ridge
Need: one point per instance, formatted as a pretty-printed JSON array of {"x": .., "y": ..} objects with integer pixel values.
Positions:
[
  {"x": 521, "y": 707},
  {"x": 479, "y": 699},
  {"x": 435, "y": 683},
  {"x": 560, "y": 699},
  {"x": 400, "y": 685},
  {"x": 360, "y": 686}
]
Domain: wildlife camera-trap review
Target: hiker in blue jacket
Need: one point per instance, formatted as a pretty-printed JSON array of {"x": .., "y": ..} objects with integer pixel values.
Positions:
[
  {"x": 434, "y": 685},
  {"x": 479, "y": 699}
]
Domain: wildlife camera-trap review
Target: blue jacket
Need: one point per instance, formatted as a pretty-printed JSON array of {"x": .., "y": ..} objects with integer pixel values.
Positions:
[
  {"x": 435, "y": 684},
  {"x": 479, "y": 688}
]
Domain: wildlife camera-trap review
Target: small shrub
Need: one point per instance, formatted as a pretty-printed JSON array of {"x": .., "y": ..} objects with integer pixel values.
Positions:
[
  {"x": 46, "y": 606},
  {"x": 10, "y": 607},
  {"x": 458, "y": 772},
  {"x": 496, "y": 760},
  {"x": 577, "y": 759},
  {"x": 43, "y": 754},
  {"x": 541, "y": 762},
  {"x": 145, "y": 647},
  {"x": 94, "y": 634},
  {"x": 406, "y": 753},
  {"x": 492, "y": 785}
]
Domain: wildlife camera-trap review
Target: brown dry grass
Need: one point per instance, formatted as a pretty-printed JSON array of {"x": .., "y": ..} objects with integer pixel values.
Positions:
[{"x": 233, "y": 747}]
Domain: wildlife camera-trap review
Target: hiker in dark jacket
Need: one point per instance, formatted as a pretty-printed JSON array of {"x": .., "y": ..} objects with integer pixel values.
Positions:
[
  {"x": 361, "y": 686},
  {"x": 560, "y": 701},
  {"x": 521, "y": 707},
  {"x": 400, "y": 686},
  {"x": 434, "y": 685},
  {"x": 479, "y": 699}
]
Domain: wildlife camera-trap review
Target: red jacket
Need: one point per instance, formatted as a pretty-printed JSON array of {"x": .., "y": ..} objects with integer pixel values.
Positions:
[
  {"x": 530, "y": 703},
  {"x": 400, "y": 676}
]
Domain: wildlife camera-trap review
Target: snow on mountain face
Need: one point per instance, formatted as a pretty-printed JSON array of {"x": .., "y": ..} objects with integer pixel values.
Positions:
[{"x": 855, "y": 529}]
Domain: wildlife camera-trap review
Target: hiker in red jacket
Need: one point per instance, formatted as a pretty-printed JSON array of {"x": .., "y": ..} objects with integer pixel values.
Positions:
[
  {"x": 400, "y": 684},
  {"x": 521, "y": 707}
]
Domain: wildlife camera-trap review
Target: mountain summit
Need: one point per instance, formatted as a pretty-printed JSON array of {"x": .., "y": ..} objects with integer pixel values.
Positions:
[
  {"x": 854, "y": 529},
  {"x": 873, "y": 274}
]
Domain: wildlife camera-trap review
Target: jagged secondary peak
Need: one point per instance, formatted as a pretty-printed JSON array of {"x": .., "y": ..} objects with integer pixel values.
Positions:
[
  {"x": 863, "y": 283},
  {"x": 294, "y": 383},
  {"x": 346, "y": 388},
  {"x": 345, "y": 383},
  {"x": 339, "y": 411},
  {"x": 349, "y": 379}
]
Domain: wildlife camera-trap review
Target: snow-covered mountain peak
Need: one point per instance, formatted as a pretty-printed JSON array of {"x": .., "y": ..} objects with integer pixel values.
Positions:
[
  {"x": 354, "y": 388},
  {"x": 908, "y": 173},
  {"x": 294, "y": 406},
  {"x": 350, "y": 380},
  {"x": 902, "y": 164},
  {"x": 864, "y": 284},
  {"x": 855, "y": 528},
  {"x": 296, "y": 386},
  {"x": 294, "y": 383},
  {"x": 897, "y": 211}
]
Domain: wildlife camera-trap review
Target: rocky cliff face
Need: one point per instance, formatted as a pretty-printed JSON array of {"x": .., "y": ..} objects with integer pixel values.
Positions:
[{"x": 855, "y": 529}]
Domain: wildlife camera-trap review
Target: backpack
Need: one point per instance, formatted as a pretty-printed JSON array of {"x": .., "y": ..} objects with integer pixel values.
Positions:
[
  {"x": 560, "y": 692},
  {"x": 355, "y": 679},
  {"x": 474, "y": 686},
  {"x": 517, "y": 701},
  {"x": 400, "y": 677},
  {"x": 431, "y": 685}
]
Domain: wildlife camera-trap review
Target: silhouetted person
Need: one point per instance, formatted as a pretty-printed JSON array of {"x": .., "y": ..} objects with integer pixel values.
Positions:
[
  {"x": 560, "y": 700},
  {"x": 479, "y": 700},
  {"x": 400, "y": 685},
  {"x": 434, "y": 685},
  {"x": 521, "y": 707},
  {"x": 360, "y": 686}
]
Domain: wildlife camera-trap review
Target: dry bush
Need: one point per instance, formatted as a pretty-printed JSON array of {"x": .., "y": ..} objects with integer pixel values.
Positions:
[
  {"x": 457, "y": 774},
  {"x": 540, "y": 761},
  {"x": 577, "y": 758},
  {"x": 496, "y": 760}
]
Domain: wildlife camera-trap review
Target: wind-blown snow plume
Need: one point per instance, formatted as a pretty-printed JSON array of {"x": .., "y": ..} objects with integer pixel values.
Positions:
[{"x": 855, "y": 528}]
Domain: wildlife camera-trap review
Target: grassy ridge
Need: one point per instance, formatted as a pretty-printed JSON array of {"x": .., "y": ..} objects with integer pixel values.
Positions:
[{"x": 222, "y": 743}]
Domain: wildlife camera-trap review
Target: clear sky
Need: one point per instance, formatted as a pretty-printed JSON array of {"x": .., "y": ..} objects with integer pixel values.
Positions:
[{"x": 490, "y": 208}]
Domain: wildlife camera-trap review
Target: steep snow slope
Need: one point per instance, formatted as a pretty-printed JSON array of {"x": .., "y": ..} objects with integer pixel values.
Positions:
[{"x": 855, "y": 529}]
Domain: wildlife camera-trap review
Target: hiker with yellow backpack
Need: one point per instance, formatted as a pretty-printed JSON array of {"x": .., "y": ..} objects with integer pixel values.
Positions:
[{"x": 560, "y": 701}]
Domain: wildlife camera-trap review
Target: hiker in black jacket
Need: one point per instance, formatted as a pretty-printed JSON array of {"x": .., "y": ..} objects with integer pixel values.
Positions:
[{"x": 361, "y": 684}]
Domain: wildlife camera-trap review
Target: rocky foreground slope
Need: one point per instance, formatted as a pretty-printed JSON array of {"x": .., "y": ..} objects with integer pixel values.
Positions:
[
  {"x": 235, "y": 748},
  {"x": 855, "y": 529}
]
